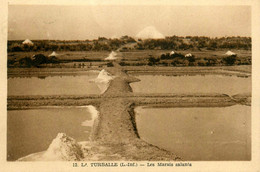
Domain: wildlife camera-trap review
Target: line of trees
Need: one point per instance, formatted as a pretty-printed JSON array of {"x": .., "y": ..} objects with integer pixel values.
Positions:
[
  {"x": 176, "y": 59},
  {"x": 100, "y": 44},
  {"x": 104, "y": 44},
  {"x": 35, "y": 61},
  {"x": 197, "y": 43},
  {"x": 179, "y": 59}
]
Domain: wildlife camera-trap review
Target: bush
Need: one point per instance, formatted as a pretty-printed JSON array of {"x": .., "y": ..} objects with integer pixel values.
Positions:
[
  {"x": 164, "y": 64},
  {"x": 191, "y": 58},
  {"x": 173, "y": 56},
  {"x": 177, "y": 62},
  {"x": 140, "y": 64},
  {"x": 122, "y": 63},
  {"x": 10, "y": 62},
  {"x": 186, "y": 63},
  {"x": 110, "y": 64},
  {"x": 25, "y": 62},
  {"x": 230, "y": 60},
  {"x": 193, "y": 63},
  {"x": 53, "y": 59},
  {"x": 39, "y": 59},
  {"x": 153, "y": 60},
  {"x": 201, "y": 62},
  {"x": 16, "y": 48}
]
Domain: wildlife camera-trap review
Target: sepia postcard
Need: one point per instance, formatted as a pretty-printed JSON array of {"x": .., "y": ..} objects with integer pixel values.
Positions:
[{"x": 130, "y": 85}]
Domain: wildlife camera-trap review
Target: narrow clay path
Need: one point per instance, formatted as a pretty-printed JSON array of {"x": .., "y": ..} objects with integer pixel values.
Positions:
[{"x": 116, "y": 130}]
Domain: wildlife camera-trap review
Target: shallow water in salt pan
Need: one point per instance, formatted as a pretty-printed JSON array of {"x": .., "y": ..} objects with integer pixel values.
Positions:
[
  {"x": 54, "y": 85},
  {"x": 214, "y": 133},
  {"x": 192, "y": 84},
  {"x": 30, "y": 131}
]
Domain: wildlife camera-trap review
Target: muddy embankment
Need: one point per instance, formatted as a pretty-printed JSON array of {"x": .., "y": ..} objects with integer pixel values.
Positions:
[
  {"x": 114, "y": 135},
  {"x": 240, "y": 71},
  {"x": 44, "y": 72},
  {"x": 158, "y": 100},
  {"x": 243, "y": 71}
]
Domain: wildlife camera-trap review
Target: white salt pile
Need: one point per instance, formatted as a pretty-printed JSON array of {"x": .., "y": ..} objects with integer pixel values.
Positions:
[
  {"x": 103, "y": 79},
  {"x": 188, "y": 55},
  {"x": 230, "y": 53},
  {"x": 94, "y": 115},
  {"x": 53, "y": 54},
  {"x": 150, "y": 32},
  {"x": 112, "y": 56},
  {"x": 172, "y": 53},
  {"x": 62, "y": 148},
  {"x": 104, "y": 76}
]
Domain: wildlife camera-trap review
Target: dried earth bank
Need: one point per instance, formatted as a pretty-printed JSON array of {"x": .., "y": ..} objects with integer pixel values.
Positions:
[
  {"x": 241, "y": 71},
  {"x": 244, "y": 70}
]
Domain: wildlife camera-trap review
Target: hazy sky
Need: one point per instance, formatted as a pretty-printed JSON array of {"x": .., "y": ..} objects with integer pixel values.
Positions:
[{"x": 90, "y": 22}]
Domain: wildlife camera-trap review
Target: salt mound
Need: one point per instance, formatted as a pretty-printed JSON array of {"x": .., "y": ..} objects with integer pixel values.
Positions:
[
  {"x": 150, "y": 32},
  {"x": 94, "y": 115},
  {"x": 188, "y": 55},
  {"x": 104, "y": 76},
  {"x": 230, "y": 53},
  {"x": 63, "y": 148},
  {"x": 172, "y": 53},
  {"x": 103, "y": 80},
  {"x": 53, "y": 54},
  {"x": 112, "y": 56},
  {"x": 27, "y": 41}
]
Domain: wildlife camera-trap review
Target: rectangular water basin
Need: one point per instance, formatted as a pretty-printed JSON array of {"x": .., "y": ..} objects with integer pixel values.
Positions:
[
  {"x": 53, "y": 85},
  {"x": 198, "y": 133},
  {"x": 32, "y": 130},
  {"x": 192, "y": 84}
]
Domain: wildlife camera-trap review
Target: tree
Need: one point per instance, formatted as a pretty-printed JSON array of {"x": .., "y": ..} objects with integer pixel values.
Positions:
[{"x": 153, "y": 60}]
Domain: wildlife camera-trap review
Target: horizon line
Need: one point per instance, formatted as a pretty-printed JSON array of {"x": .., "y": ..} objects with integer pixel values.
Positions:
[{"x": 226, "y": 36}]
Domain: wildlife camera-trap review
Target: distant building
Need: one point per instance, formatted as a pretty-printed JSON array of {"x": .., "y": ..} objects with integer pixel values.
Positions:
[{"x": 27, "y": 42}]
